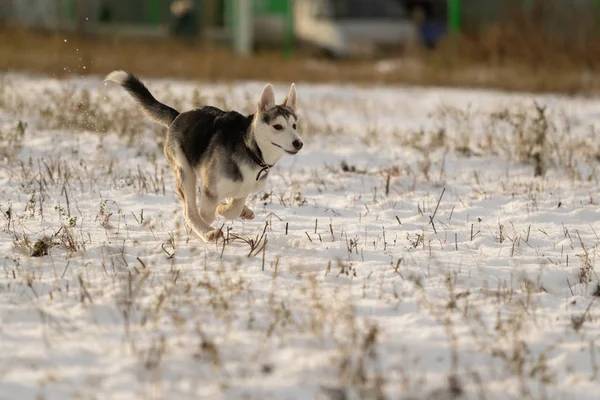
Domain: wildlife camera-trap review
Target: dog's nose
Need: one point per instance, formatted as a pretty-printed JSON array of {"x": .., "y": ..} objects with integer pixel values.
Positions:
[{"x": 297, "y": 144}]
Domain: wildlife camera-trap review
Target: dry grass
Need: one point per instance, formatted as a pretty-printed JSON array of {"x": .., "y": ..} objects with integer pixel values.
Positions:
[
  {"x": 531, "y": 133},
  {"x": 498, "y": 57}
]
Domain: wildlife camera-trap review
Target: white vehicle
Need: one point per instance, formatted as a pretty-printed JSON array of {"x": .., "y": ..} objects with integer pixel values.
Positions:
[{"x": 342, "y": 27}]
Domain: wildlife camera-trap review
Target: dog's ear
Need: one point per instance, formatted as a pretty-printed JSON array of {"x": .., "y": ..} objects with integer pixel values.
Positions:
[
  {"x": 290, "y": 100},
  {"x": 267, "y": 98}
]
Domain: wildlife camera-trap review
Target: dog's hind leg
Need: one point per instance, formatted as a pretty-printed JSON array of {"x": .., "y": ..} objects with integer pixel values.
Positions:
[
  {"x": 179, "y": 184},
  {"x": 233, "y": 209},
  {"x": 177, "y": 170},
  {"x": 192, "y": 216},
  {"x": 187, "y": 188}
]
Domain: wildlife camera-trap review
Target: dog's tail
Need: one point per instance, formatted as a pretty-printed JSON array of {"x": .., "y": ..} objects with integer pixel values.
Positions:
[{"x": 157, "y": 111}]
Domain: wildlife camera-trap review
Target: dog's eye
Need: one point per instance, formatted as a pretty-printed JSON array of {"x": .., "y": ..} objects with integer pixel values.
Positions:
[
  {"x": 294, "y": 126},
  {"x": 278, "y": 127}
]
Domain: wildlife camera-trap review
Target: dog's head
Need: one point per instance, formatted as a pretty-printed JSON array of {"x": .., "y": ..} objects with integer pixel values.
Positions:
[{"x": 275, "y": 124}]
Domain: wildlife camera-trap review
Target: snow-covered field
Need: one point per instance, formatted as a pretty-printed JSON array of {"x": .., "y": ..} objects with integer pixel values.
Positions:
[{"x": 407, "y": 252}]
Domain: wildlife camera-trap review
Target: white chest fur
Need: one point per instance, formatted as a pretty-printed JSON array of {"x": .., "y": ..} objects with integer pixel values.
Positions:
[{"x": 228, "y": 188}]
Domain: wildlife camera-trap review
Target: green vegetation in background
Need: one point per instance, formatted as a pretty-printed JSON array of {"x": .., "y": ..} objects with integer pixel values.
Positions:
[
  {"x": 285, "y": 9},
  {"x": 454, "y": 13},
  {"x": 154, "y": 12},
  {"x": 271, "y": 6},
  {"x": 70, "y": 6},
  {"x": 282, "y": 8}
]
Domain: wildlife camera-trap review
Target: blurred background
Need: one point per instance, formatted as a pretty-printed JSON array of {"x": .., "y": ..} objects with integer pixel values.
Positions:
[{"x": 534, "y": 45}]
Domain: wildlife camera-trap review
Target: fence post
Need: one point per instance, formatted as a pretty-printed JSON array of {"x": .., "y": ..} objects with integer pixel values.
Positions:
[
  {"x": 289, "y": 34},
  {"x": 242, "y": 28},
  {"x": 454, "y": 13}
]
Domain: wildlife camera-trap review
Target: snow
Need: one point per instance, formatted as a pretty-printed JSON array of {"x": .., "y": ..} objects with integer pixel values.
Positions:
[{"x": 469, "y": 278}]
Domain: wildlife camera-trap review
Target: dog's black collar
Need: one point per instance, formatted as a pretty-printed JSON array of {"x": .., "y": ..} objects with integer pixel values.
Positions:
[{"x": 257, "y": 158}]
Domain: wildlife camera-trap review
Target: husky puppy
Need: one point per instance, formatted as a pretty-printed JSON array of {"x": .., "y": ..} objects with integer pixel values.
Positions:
[{"x": 229, "y": 152}]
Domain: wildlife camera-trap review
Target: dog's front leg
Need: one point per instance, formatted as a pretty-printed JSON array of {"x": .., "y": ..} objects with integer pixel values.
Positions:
[{"x": 247, "y": 213}]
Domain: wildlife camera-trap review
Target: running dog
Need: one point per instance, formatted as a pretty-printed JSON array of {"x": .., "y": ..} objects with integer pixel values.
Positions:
[{"x": 229, "y": 152}]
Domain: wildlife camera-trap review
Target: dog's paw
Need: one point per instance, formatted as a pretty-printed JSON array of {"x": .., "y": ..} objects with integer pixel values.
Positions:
[
  {"x": 247, "y": 213},
  {"x": 213, "y": 235}
]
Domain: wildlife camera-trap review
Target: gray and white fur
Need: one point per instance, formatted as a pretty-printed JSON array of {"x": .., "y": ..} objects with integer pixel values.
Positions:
[{"x": 229, "y": 152}]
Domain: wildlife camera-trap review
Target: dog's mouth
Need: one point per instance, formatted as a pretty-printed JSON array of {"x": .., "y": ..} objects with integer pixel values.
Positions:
[{"x": 290, "y": 152}]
